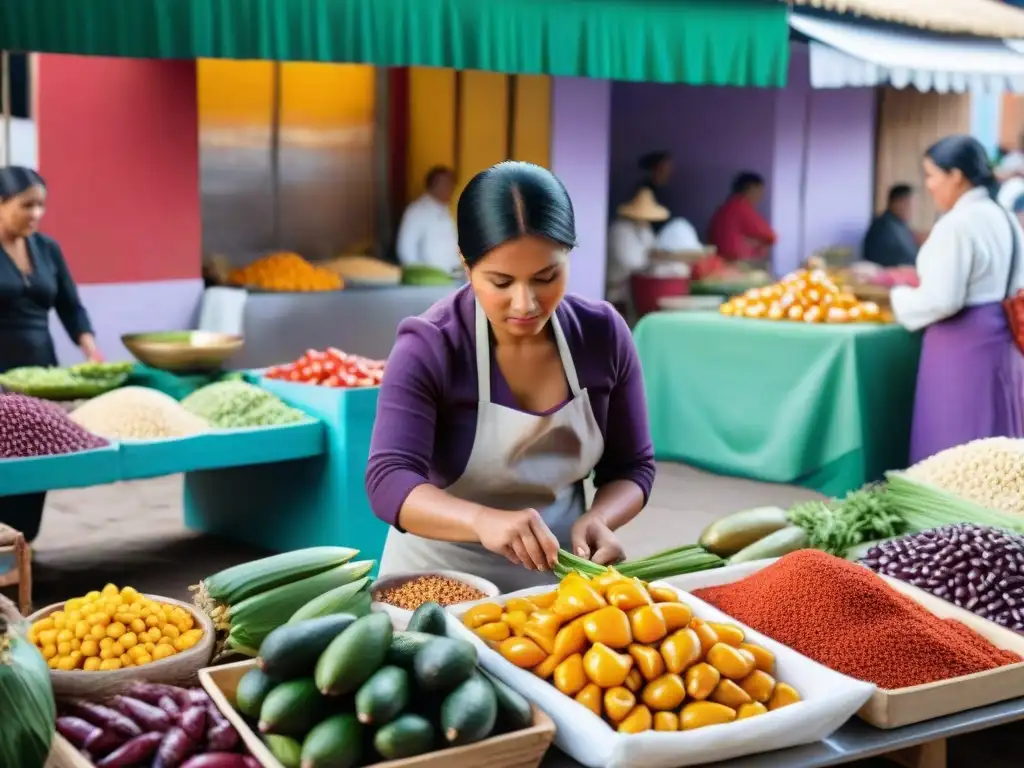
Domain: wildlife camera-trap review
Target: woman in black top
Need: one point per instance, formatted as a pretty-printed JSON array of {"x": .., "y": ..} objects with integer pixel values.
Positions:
[{"x": 33, "y": 280}]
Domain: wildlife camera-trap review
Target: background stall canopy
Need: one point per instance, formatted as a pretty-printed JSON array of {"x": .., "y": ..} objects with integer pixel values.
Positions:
[{"x": 717, "y": 42}]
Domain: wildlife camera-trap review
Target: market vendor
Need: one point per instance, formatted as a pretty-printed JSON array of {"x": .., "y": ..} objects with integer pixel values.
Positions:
[
  {"x": 426, "y": 235},
  {"x": 499, "y": 400},
  {"x": 631, "y": 239},
  {"x": 34, "y": 279},
  {"x": 970, "y": 381},
  {"x": 737, "y": 229},
  {"x": 890, "y": 242}
]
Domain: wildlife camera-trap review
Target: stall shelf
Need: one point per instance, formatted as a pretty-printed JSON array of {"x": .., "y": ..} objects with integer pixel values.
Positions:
[
  {"x": 827, "y": 407},
  {"x": 68, "y": 470},
  {"x": 919, "y": 746},
  {"x": 301, "y": 503}
]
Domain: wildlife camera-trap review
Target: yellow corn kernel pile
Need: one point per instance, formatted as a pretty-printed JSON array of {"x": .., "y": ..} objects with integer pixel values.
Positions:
[{"x": 113, "y": 629}]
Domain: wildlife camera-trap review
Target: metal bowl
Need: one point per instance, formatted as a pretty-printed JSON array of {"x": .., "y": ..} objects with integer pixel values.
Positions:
[{"x": 182, "y": 350}]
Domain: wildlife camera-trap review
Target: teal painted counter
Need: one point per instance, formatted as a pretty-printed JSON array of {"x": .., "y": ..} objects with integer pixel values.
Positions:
[{"x": 66, "y": 470}]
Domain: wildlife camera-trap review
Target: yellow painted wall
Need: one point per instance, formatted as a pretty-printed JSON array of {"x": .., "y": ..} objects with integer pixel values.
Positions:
[
  {"x": 482, "y": 133},
  {"x": 232, "y": 93}
]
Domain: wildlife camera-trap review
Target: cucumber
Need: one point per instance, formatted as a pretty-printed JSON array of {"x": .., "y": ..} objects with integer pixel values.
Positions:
[
  {"x": 337, "y": 742},
  {"x": 291, "y": 651},
  {"x": 428, "y": 618},
  {"x": 286, "y": 749},
  {"x": 780, "y": 543},
  {"x": 291, "y": 709},
  {"x": 405, "y": 646},
  {"x": 739, "y": 530},
  {"x": 383, "y": 697},
  {"x": 408, "y": 736},
  {"x": 470, "y": 712},
  {"x": 354, "y": 655},
  {"x": 514, "y": 711},
  {"x": 343, "y": 599},
  {"x": 444, "y": 664},
  {"x": 252, "y": 690}
]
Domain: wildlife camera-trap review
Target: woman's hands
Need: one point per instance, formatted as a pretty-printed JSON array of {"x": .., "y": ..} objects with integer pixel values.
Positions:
[
  {"x": 594, "y": 540},
  {"x": 522, "y": 537},
  {"x": 87, "y": 343}
]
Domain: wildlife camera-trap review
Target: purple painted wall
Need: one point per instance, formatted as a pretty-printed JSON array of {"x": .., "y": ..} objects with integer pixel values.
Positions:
[
  {"x": 716, "y": 132},
  {"x": 119, "y": 308},
  {"x": 580, "y": 153}
]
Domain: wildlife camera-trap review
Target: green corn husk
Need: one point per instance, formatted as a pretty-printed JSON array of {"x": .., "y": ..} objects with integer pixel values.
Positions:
[
  {"x": 923, "y": 506},
  {"x": 233, "y": 585},
  {"x": 351, "y": 598},
  {"x": 27, "y": 712},
  {"x": 254, "y": 618}
]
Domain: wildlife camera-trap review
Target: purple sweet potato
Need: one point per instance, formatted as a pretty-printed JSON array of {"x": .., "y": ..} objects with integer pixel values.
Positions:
[
  {"x": 222, "y": 737},
  {"x": 217, "y": 760},
  {"x": 136, "y": 751},
  {"x": 170, "y": 706},
  {"x": 106, "y": 718},
  {"x": 174, "y": 749},
  {"x": 193, "y": 722},
  {"x": 151, "y": 718},
  {"x": 78, "y": 731}
]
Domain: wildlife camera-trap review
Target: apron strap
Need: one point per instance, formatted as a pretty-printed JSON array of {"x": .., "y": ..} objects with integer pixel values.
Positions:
[
  {"x": 483, "y": 355},
  {"x": 566, "y": 355}
]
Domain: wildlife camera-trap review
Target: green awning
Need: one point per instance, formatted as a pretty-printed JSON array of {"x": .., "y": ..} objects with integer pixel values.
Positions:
[{"x": 701, "y": 42}]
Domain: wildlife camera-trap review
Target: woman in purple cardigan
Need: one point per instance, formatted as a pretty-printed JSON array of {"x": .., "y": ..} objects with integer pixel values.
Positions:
[{"x": 500, "y": 400}]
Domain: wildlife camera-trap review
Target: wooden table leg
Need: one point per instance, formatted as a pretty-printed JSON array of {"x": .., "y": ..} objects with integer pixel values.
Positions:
[
  {"x": 929, "y": 755},
  {"x": 23, "y": 556}
]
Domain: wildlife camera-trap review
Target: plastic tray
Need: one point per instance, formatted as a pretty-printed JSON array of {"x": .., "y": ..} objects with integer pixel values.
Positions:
[
  {"x": 68, "y": 470},
  {"x": 220, "y": 449}
]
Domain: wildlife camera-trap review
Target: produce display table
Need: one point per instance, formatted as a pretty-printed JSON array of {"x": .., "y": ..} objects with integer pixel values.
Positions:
[{"x": 823, "y": 406}]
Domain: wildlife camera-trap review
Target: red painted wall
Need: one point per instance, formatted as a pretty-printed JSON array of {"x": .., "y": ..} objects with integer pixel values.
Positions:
[{"x": 118, "y": 147}]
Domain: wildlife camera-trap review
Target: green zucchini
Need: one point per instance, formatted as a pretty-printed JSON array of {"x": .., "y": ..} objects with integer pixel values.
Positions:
[
  {"x": 777, "y": 544},
  {"x": 729, "y": 535}
]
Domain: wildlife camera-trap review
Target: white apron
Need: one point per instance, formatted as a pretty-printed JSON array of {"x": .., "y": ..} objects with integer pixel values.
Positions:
[{"x": 518, "y": 461}]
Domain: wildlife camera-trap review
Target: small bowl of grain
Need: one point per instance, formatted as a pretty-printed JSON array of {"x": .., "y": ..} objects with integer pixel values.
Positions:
[{"x": 399, "y": 594}]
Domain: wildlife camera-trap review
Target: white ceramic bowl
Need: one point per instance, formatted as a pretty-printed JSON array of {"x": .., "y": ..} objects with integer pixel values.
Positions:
[{"x": 400, "y": 616}]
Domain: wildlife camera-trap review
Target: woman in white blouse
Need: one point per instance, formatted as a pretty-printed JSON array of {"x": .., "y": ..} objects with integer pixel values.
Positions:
[{"x": 970, "y": 383}]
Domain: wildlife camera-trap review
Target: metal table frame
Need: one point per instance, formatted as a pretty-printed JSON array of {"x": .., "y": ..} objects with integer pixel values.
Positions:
[{"x": 919, "y": 746}]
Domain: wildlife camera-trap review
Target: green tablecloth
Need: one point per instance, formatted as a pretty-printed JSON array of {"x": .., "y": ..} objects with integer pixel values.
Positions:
[{"x": 823, "y": 406}]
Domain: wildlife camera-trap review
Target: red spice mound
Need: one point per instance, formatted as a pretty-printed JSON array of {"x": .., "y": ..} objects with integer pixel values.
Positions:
[
  {"x": 847, "y": 618},
  {"x": 31, "y": 427}
]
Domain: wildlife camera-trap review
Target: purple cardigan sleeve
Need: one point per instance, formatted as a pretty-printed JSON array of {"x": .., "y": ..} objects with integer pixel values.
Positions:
[
  {"x": 628, "y": 451},
  {"x": 403, "y": 434}
]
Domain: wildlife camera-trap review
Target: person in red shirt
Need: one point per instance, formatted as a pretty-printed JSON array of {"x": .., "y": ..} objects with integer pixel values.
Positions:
[{"x": 737, "y": 229}]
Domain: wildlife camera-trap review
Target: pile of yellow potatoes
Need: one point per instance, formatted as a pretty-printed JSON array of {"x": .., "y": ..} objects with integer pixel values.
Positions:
[{"x": 808, "y": 296}]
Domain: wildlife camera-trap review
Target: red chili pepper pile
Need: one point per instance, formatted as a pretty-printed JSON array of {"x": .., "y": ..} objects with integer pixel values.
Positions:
[{"x": 330, "y": 368}]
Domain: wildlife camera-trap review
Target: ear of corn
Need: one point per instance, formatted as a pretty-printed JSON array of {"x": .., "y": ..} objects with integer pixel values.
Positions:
[
  {"x": 26, "y": 697},
  {"x": 254, "y": 618},
  {"x": 233, "y": 585},
  {"x": 351, "y": 598}
]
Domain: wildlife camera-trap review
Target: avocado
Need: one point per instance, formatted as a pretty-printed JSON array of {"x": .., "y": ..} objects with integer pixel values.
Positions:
[
  {"x": 337, "y": 742},
  {"x": 354, "y": 655},
  {"x": 292, "y": 708},
  {"x": 408, "y": 736},
  {"x": 444, "y": 663},
  {"x": 514, "y": 711},
  {"x": 252, "y": 690},
  {"x": 286, "y": 749},
  {"x": 405, "y": 646},
  {"x": 291, "y": 650},
  {"x": 470, "y": 712},
  {"x": 383, "y": 697},
  {"x": 428, "y": 618}
]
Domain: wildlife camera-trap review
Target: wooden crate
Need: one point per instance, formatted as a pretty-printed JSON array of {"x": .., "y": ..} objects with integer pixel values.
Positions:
[
  {"x": 904, "y": 706},
  {"x": 521, "y": 749},
  {"x": 64, "y": 755}
]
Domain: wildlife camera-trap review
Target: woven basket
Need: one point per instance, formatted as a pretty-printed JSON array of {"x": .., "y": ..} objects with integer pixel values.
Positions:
[{"x": 180, "y": 669}]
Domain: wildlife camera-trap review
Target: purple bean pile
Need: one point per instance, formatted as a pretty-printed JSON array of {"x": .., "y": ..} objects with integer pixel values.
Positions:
[
  {"x": 31, "y": 427},
  {"x": 977, "y": 568},
  {"x": 159, "y": 726}
]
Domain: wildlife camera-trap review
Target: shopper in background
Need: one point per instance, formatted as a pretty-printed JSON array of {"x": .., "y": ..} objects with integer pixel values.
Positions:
[
  {"x": 500, "y": 399},
  {"x": 890, "y": 242},
  {"x": 970, "y": 382},
  {"x": 656, "y": 169},
  {"x": 631, "y": 239},
  {"x": 1010, "y": 175},
  {"x": 34, "y": 279},
  {"x": 426, "y": 235},
  {"x": 737, "y": 229}
]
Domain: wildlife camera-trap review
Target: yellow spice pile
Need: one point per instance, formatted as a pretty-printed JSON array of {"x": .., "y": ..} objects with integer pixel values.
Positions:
[{"x": 138, "y": 413}]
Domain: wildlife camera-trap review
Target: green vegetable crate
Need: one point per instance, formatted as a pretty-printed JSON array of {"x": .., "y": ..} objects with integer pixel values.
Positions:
[{"x": 519, "y": 749}]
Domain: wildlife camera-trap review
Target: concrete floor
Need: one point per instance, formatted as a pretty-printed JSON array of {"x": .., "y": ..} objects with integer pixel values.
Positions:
[{"x": 132, "y": 533}]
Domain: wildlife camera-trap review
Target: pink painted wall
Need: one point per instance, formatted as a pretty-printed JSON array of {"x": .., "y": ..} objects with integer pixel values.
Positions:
[{"x": 716, "y": 132}]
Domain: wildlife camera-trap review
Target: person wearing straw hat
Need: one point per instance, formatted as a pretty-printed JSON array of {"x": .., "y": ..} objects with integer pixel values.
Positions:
[{"x": 630, "y": 241}]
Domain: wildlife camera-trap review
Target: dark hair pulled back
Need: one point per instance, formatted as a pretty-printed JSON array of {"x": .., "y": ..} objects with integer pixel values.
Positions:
[
  {"x": 511, "y": 200},
  {"x": 15, "y": 179},
  {"x": 967, "y": 155}
]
